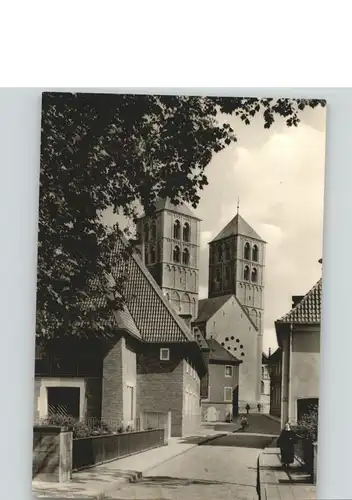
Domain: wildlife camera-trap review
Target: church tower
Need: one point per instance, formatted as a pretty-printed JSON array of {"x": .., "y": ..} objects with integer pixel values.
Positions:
[
  {"x": 169, "y": 245},
  {"x": 236, "y": 265}
]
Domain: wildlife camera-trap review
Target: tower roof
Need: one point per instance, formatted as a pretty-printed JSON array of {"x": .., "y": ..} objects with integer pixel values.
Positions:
[
  {"x": 181, "y": 208},
  {"x": 237, "y": 226}
]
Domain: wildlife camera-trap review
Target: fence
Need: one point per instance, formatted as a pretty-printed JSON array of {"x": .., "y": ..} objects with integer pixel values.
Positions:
[
  {"x": 99, "y": 449},
  {"x": 306, "y": 452}
]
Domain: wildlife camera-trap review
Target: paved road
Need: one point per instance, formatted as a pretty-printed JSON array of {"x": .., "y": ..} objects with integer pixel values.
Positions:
[
  {"x": 258, "y": 424},
  {"x": 223, "y": 469}
]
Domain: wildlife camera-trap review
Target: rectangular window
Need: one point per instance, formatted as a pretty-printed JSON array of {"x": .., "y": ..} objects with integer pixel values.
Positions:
[
  {"x": 228, "y": 371},
  {"x": 164, "y": 354},
  {"x": 227, "y": 394}
]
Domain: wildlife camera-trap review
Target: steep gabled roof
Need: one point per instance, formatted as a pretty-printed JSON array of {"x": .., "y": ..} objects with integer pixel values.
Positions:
[
  {"x": 154, "y": 317},
  {"x": 308, "y": 310},
  {"x": 237, "y": 226},
  {"x": 218, "y": 353},
  {"x": 208, "y": 307}
]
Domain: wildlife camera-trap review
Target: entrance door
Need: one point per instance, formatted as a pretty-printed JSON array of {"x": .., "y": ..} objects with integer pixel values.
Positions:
[
  {"x": 63, "y": 401},
  {"x": 235, "y": 402}
]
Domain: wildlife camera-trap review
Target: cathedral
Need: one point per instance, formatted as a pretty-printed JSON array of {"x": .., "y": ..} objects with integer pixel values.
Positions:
[{"x": 232, "y": 314}]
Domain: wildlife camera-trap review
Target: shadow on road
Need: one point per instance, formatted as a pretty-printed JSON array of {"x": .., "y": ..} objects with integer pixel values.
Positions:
[{"x": 175, "y": 482}]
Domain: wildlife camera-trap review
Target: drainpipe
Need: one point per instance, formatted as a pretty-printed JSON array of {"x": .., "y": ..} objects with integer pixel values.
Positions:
[{"x": 289, "y": 392}]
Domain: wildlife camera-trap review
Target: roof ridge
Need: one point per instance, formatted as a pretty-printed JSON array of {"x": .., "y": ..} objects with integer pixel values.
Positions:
[
  {"x": 181, "y": 324},
  {"x": 300, "y": 305},
  {"x": 246, "y": 313}
]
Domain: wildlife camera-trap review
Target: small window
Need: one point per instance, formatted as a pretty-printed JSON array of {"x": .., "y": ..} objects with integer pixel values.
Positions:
[
  {"x": 219, "y": 253},
  {"x": 246, "y": 273},
  {"x": 176, "y": 254},
  {"x": 177, "y": 230},
  {"x": 228, "y": 371},
  {"x": 186, "y": 232},
  {"x": 152, "y": 255},
  {"x": 227, "y": 274},
  {"x": 153, "y": 230},
  {"x": 185, "y": 257},
  {"x": 164, "y": 354},
  {"x": 227, "y": 252},
  {"x": 146, "y": 256},
  {"x": 254, "y": 275},
  {"x": 227, "y": 394}
]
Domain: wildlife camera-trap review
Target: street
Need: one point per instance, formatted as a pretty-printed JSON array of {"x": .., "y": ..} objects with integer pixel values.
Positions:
[
  {"x": 222, "y": 468},
  {"x": 225, "y": 468}
]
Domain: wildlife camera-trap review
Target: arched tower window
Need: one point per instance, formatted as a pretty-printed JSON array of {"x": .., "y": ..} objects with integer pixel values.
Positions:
[
  {"x": 246, "y": 273},
  {"x": 227, "y": 252},
  {"x": 146, "y": 256},
  {"x": 177, "y": 230},
  {"x": 219, "y": 249},
  {"x": 185, "y": 257},
  {"x": 152, "y": 255},
  {"x": 247, "y": 251},
  {"x": 186, "y": 232},
  {"x": 254, "y": 275},
  {"x": 255, "y": 253},
  {"x": 176, "y": 254},
  {"x": 146, "y": 232},
  {"x": 218, "y": 275},
  {"x": 154, "y": 230}
]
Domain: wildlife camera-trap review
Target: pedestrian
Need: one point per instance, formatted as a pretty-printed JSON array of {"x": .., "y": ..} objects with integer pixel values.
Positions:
[
  {"x": 244, "y": 423},
  {"x": 286, "y": 443},
  {"x": 247, "y": 408},
  {"x": 259, "y": 407}
]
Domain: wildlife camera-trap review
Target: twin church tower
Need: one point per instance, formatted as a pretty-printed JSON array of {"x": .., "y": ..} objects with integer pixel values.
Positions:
[{"x": 170, "y": 246}]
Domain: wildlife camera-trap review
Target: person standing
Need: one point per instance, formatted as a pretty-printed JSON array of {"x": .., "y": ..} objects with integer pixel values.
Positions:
[
  {"x": 286, "y": 443},
  {"x": 247, "y": 408}
]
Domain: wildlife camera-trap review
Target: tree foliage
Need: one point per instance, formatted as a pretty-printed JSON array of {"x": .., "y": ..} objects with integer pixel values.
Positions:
[
  {"x": 120, "y": 151},
  {"x": 307, "y": 427}
]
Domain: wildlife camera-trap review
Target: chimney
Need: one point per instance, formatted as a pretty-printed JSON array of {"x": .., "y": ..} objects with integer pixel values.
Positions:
[
  {"x": 296, "y": 299},
  {"x": 269, "y": 352}
]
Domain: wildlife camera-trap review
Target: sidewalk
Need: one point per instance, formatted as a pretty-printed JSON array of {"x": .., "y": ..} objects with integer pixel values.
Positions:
[
  {"x": 276, "y": 484},
  {"x": 91, "y": 483}
]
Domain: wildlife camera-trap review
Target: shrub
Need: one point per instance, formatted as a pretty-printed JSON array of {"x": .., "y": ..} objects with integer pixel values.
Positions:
[
  {"x": 79, "y": 428},
  {"x": 307, "y": 427}
]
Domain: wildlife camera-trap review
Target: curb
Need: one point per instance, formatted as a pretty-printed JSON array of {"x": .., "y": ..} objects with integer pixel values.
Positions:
[{"x": 261, "y": 490}]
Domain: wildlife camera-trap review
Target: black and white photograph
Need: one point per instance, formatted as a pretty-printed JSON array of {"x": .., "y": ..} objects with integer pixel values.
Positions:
[{"x": 179, "y": 291}]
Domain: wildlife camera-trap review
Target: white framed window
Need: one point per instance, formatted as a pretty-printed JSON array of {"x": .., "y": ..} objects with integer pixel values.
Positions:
[
  {"x": 164, "y": 354},
  {"x": 227, "y": 394},
  {"x": 228, "y": 371}
]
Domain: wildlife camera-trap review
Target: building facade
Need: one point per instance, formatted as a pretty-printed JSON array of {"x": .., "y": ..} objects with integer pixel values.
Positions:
[
  {"x": 149, "y": 361},
  {"x": 298, "y": 334},
  {"x": 220, "y": 394},
  {"x": 265, "y": 385},
  {"x": 233, "y": 312},
  {"x": 169, "y": 246},
  {"x": 275, "y": 369}
]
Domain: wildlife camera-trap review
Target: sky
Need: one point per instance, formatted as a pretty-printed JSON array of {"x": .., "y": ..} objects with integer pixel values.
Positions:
[{"x": 278, "y": 175}]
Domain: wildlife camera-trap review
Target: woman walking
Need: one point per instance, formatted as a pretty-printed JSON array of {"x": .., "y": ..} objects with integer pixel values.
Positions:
[{"x": 286, "y": 443}]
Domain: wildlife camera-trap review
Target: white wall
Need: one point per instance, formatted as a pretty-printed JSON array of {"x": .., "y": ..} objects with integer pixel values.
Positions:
[{"x": 41, "y": 393}]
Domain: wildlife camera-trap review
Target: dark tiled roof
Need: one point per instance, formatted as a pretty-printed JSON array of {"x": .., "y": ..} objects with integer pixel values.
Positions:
[
  {"x": 237, "y": 226},
  {"x": 208, "y": 307},
  {"x": 153, "y": 316},
  {"x": 219, "y": 353},
  {"x": 308, "y": 310}
]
